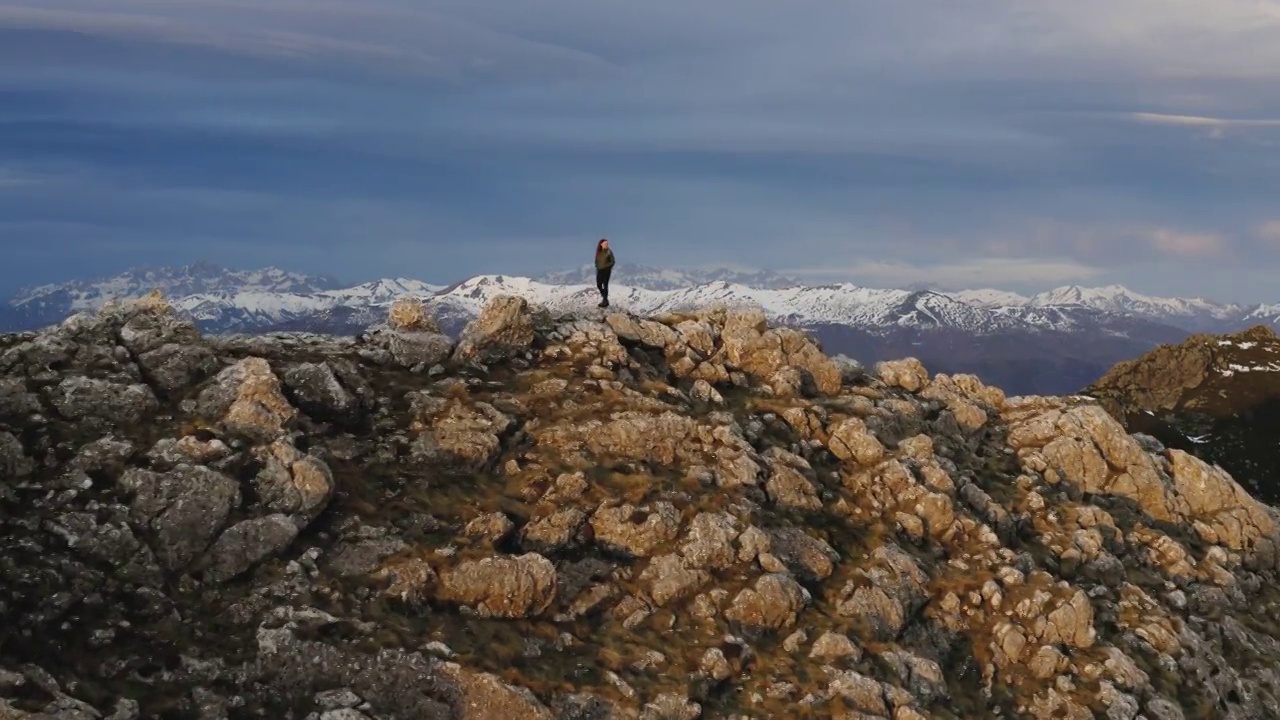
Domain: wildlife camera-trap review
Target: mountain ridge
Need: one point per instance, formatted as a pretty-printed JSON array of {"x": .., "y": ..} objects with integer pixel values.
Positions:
[
  {"x": 1216, "y": 396},
  {"x": 991, "y": 333},
  {"x": 780, "y": 295}
]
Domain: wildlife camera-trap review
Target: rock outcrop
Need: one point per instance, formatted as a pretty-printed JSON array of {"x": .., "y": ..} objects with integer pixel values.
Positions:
[
  {"x": 1214, "y": 396},
  {"x": 692, "y": 516}
]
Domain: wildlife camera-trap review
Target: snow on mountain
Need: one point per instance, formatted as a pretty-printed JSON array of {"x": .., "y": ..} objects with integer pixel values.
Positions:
[
  {"x": 1052, "y": 343},
  {"x": 650, "y": 278},
  {"x": 173, "y": 282},
  {"x": 842, "y": 304},
  {"x": 243, "y": 310},
  {"x": 256, "y": 300},
  {"x": 384, "y": 291},
  {"x": 219, "y": 298},
  {"x": 1263, "y": 315},
  {"x": 990, "y": 298},
  {"x": 1121, "y": 300}
]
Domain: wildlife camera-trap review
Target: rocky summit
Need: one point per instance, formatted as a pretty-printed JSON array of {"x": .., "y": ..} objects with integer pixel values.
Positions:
[{"x": 598, "y": 517}]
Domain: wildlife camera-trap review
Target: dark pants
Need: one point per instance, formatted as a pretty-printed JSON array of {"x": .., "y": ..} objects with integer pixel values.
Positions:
[{"x": 602, "y": 282}]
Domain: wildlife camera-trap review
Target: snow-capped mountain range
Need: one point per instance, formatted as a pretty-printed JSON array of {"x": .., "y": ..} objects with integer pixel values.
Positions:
[
  {"x": 650, "y": 278},
  {"x": 200, "y": 278},
  {"x": 841, "y": 304},
  {"x": 1055, "y": 341},
  {"x": 245, "y": 301}
]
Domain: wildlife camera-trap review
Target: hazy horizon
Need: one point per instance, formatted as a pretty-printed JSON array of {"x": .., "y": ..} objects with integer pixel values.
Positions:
[{"x": 1011, "y": 144}]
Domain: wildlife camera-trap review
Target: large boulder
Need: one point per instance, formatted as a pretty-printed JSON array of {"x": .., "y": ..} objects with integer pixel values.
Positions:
[
  {"x": 636, "y": 531},
  {"x": 667, "y": 439},
  {"x": 789, "y": 550},
  {"x": 502, "y": 586},
  {"x": 850, "y": 440},
  {"x": 908, "y": 374},
  {"x": 183, "y": 509},
  {"x": 82, "y": 398},
  {"x": 318, "y": 392},
  {"x": 419, "y": 348},
  {"x": 885, "y": 595},
  {"x": 791, "y": 481},
  {"x": 1083, "y": 445},
  {"x": 247, "y": 400},
  {"x": 1221, "y": 511},
  {"x": 482, "y": 695},
  {"x": 247, "y": 543},
  {"x": 13, "y": 459},
  {"x": 110, "y": 540},
  {"x": 174, "y": 367},
  {"x": 709, "y": 542},
  {"x": 640, "y": 330},
  {"x": 468, "y": 436},
  {"x": 772, "y": 603},
  {"x": 292, "y": 482},
  {"x": 150, "y": 323},
  {"x": 409, "y": 314},
  {"x": 411, "y": 337},
  {"x": 670, "y": 579},
  {"x": 17, "y": 403},
  {"x": 504, "y": 329},
  {"x": 762, "y": 352},
  {"x": 555, "y": 531}
]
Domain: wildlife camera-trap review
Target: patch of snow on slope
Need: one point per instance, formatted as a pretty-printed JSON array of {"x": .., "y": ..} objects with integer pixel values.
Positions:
[
  {"x": 1235, "y": 368},
  {"x": 1119, "y": 299},
  {"x": 990, "y": 298}
]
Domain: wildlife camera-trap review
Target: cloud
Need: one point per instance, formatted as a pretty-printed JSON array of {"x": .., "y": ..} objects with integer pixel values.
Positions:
[
  {"x": 1065, "y": 140},
  {"x": 1212, "y": 127},
  {"x": 1270, "y": 231},
  {"x": 1198, "y": 121},
  {"x": 1189, "y": 245},
  {"x": 387, "y": 37},
  {"x": 14, "y": 178}
]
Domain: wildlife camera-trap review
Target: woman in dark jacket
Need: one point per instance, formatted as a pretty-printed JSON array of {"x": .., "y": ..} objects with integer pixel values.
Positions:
[{"x": 604, "y": 268}]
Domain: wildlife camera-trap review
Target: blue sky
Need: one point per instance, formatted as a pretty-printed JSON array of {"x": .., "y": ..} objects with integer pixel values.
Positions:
[{"x": 1010, "y": 143}]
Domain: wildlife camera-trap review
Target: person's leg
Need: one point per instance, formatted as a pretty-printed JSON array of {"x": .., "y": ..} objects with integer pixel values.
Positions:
[
  {"x": 605, "y": 286},
  {"x": 600, "y": 285}
]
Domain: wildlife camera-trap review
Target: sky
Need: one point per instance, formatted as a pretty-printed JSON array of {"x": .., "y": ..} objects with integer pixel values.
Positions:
[{"x": 1017, "y": 144}]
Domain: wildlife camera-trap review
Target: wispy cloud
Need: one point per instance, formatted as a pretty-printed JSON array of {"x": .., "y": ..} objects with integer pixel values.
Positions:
[
  {"x": 1270, "y": 231},
  {"x": 11, "y": 178},
  {"x": 379, "y": 36},
  {"x": 1201, "y": 121},
  {"x": 1189, "y": 245}
]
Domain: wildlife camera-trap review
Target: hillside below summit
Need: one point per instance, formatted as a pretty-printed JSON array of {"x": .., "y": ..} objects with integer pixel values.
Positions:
[
  {"x": 1217, "y": 396},
  {"x": 598, "y": 516}
]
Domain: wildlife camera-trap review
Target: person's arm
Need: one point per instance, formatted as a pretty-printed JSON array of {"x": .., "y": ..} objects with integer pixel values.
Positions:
[{"x": 608, "y": 256}]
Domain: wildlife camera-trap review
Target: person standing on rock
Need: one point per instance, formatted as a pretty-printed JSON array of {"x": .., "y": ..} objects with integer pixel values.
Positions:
[{"x": 604, "y": 268}]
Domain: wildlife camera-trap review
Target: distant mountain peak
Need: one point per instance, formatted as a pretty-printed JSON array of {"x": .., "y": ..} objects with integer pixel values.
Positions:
[
  {"x": 651, "y": 278},
  {"x": 223, "y": 299},
  {"x": 987, "y": 332},
  {"x": 199, "y": 278}
]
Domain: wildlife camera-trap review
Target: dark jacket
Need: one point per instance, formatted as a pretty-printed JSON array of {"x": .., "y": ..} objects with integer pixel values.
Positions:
[{"x": 604, "y": 259}]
